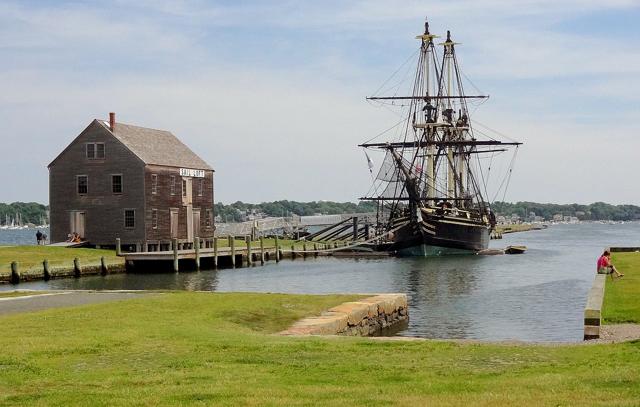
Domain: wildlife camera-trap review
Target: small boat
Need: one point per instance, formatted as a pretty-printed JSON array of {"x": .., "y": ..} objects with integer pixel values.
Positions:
[{"x": 515, "y": 249}]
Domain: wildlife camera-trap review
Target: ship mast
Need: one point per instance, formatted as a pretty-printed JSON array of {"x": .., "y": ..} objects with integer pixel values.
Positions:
[
  {"x": 429, "y": 59},
  {"x": 432, "y": 159}
]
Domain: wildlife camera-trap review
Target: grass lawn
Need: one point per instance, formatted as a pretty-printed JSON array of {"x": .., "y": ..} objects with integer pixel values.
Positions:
[
  {"x": 216, "y": 349},
  {"x": 31, "y": 257},
  {"x": 622, "y": 295}
]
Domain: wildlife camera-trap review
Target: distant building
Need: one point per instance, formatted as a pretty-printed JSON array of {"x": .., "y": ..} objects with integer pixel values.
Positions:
[{"x": 139, "y": 184}]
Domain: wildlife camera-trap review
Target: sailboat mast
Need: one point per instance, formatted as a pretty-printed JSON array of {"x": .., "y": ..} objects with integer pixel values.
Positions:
[{"x": 430, "y": 114}]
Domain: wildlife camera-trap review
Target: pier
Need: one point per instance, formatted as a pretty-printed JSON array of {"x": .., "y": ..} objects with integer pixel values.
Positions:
[{"x": 233, "y": 255}]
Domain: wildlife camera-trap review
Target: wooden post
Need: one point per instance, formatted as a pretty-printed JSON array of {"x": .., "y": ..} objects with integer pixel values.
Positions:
[
  {"x": 355, "y": 228},
  {"x": 232, "y": 243},
  {"x": 46, "y": 270},
  {"x": 315, "y": 249},
  {"x": 174, "y": 243},
  {"x": 304, "y": 250},
  {"x": 215, "y": 252},
  {"x": 249, "y": 259},
  {"x": 76, "y": 267},
  {"x": 196, "y": 247},
  {"x": 118, "y": 247},
  {"x": 293, "y": 254},
  {"x": 261, "y": 250},
  {"x": 104, "y": 270},
  {"x": 277, "y": 250},
  {"x": 15, "y": 273}
]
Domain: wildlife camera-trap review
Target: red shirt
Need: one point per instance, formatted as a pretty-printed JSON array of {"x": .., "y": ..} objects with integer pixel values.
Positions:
[{"x": 603, "y": 261}]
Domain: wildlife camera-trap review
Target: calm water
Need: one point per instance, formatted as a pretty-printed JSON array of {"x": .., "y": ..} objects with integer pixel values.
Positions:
[
  {"x": 537, "y": 296},
  {"x": 20, "y": 236}
]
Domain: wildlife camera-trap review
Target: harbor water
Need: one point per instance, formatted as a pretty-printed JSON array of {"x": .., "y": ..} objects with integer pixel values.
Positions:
[{"x": 536, "y": 296}]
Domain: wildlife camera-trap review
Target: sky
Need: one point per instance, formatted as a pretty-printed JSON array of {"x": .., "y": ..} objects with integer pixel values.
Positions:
[{"x": 272, "y": 93}]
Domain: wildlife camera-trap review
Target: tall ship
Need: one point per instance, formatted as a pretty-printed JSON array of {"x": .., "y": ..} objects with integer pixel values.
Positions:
[{"x": 431, "y": 190}]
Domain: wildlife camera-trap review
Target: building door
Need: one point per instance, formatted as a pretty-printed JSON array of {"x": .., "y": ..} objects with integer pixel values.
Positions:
[
  {"x": 196, "y": 222},
  {"x": 174, "y": 222},
  {"x": 189, "y": 223},
  {"x": 76, "y": 223}
]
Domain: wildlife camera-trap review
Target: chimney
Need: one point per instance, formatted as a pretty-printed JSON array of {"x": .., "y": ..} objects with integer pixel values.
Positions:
[{"x": 112, "y": 121}]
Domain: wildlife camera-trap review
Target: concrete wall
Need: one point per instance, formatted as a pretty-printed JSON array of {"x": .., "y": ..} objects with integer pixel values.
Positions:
[{"x": 365, "y": 317}]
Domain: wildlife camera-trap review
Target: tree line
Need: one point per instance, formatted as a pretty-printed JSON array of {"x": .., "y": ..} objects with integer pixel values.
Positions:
[
  {"x": 29, "y": 212},
  {"x": 33, "y": 212},
  {"x": 238, "y": 211},
  {"x": 594, "y": 211}
]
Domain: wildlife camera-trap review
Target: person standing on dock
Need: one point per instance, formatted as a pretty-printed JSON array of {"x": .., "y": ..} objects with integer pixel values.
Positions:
[
  {"x": 39, "y": 237},
  {"x": 605, "y": 266}
]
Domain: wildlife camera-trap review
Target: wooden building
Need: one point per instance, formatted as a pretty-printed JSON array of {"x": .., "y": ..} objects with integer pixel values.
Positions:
[{"x": 141, "y": 185}]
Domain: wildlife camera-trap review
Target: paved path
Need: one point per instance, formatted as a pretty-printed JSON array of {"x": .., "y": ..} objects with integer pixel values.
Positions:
[{"x": 38, "y": 302}]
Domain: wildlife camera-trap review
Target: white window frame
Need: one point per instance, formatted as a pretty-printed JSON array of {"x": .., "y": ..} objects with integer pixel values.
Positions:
[
  {"x": 95, "y": 151},
  {"x": 154, "y": 218},
  {"x": 154, "y": 184}
]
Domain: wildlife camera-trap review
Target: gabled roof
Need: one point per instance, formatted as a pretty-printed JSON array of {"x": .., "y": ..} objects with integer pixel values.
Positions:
[{"x": 157, "y": 147}]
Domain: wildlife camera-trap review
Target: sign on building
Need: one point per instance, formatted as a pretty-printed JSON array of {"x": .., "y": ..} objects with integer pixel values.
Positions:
[{"x": 188, "y": 172}]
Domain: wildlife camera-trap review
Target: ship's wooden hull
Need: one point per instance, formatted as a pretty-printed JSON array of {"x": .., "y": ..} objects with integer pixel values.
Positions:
[{"x": 439, "y": 235}]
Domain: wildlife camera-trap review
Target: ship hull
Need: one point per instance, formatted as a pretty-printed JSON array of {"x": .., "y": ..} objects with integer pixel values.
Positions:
[{"x": 434, "y": 237}]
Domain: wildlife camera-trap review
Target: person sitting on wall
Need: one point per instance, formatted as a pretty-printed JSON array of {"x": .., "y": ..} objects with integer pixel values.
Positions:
[
  {"x": 70, "y": 237},
  {"x": 76, "y": 238},
  {"x": 606, "y": 267}
]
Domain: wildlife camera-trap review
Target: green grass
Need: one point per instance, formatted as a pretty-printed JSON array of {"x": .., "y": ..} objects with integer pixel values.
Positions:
[
  {"x": 216, "y": 349},
  {"x": 31, "y": 257},
  {"x": 622, "y": 295}
]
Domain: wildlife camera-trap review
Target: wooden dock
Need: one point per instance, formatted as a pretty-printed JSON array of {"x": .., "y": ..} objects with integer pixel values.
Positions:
[{"x": 248, "y": 254}]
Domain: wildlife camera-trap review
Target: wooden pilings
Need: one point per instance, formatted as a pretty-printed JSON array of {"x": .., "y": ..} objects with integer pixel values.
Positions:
[
  {"x": 249, "y": 259},
  {"x": 46, "y": 270},
  {"x": 77, "y": 271},
  {"x": 215, "y": 252},
  {"x": 261, "y": 250},
  {"x": 118, "y": 247},
  {"x": 15, "y": 273},
  {"x": 196, "y": 247},
  {"x": 174, "y": 245},
  {"x": 104, "y": 269},
  {"x": 232, "y": 244},
  {"x": 277, "y": 250}
]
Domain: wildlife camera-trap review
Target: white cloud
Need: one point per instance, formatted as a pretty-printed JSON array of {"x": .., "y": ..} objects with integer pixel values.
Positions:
[{"x": 278, "y": 129}]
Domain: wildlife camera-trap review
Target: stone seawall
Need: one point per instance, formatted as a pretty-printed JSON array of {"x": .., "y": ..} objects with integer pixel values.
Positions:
[{"x": 365, "y": 317}]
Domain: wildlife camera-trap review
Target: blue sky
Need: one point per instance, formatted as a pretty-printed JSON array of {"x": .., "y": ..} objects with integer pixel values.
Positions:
[{"x": 271, "y": 94}]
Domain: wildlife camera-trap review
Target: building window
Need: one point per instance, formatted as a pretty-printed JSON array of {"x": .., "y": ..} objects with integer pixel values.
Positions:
[
  {"x": 129, "y": 218},
  {"x": 82, "y": 182},
  {"x": 173, "y": 185},
  {"x": 184, "y": 188},
  {"x": 154, "y": 218},
  {"x": 208, "y": 218},
  {"x": 95, "y": 151},
  {"x": 154, "y": 183},
  {"x": 200, "y": 186},
  {"x": 116, "y": 184}
]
